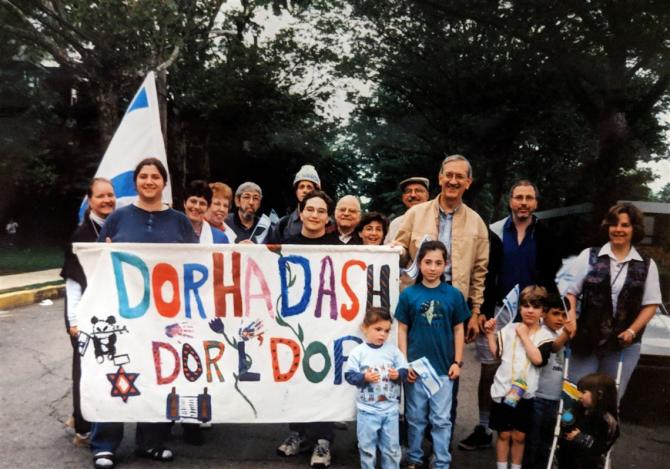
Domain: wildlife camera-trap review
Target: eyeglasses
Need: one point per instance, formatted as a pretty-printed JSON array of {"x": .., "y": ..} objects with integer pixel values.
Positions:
[
  {"x": 457, "y": 176},
  {"x": 415, "y": 190},
  {"x": 252, "y": 197}
]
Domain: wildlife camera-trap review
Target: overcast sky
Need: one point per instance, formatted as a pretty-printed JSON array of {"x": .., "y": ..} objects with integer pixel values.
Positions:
[{"x": 339, "y": 106}]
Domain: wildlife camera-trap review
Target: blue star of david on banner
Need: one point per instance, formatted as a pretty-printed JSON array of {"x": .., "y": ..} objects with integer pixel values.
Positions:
[{"x": 123, "y": 384}]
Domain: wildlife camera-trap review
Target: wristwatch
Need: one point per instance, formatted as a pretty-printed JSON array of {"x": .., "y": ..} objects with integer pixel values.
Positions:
[{"x": 460, "y": 364}]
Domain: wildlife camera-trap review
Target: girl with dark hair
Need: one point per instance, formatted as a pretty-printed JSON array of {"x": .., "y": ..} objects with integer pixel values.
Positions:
[
  {"x": 101, "y": 202},
  {"x": 596, "y": 425},
  {"x": 620, "y": 291},
  {"x": 147, "y": 220},
  {"x": 430, "y": 318}
]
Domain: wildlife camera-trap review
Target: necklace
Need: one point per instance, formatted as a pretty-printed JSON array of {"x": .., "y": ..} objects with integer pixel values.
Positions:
[{"x": 95, "y": 227}]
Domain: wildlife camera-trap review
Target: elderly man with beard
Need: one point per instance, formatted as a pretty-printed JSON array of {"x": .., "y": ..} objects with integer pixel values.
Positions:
[
  {"x": 414, "y": 191},
  {"x": 529, "y": 256},
  {"x": 248, "y": 198}
]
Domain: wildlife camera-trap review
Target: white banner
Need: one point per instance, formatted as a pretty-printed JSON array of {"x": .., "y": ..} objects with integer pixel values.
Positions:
[{"x": 226, "y": 333}]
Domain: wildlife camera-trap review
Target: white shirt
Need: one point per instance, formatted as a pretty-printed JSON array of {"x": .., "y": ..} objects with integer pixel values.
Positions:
[
  {"x": 514, "y": 358},
  {"x": 580, "y": 267}
]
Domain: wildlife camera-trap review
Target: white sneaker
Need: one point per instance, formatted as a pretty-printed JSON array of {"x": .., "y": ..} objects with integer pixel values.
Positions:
[
  {"x": 321, "y": 454},
  {"x": 293, "y": 444}
]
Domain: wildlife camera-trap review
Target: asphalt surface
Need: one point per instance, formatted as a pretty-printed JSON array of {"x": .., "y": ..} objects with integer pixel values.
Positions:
[{"x": 36, "y": 400}]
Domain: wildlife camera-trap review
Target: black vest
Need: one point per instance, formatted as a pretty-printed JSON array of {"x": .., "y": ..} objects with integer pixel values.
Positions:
[{"x": 597, "y": 327}]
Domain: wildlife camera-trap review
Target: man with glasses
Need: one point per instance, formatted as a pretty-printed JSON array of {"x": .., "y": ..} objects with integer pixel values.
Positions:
[
  {"x": 314, "y": 209},
  {"x": 414, "y": 191},
  {"x": 243, "y": 221},
  {"x": 530, "y": 256},
  {"x": 347, "y": 218},
  {"x": 446, "y": 218}
]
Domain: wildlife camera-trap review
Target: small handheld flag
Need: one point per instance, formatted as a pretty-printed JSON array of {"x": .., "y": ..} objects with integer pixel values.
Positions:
[
  {"x": 509, "y": 309},
  {"x": 413, "y": 270}
]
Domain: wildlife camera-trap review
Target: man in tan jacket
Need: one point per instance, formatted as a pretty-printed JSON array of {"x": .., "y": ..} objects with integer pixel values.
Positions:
[{"x": 446, "y": 218}]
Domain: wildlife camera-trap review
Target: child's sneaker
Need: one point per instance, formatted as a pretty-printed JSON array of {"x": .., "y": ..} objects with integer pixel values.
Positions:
[
  {"x": 478, "y": 439},
  {"x": 293, "y": 444},
  {"x": 321, "y": 454}
]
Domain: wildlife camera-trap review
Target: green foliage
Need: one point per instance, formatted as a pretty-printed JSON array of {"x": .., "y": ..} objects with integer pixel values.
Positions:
[
  {"x": 563, "y": 93},
  {"x": 663, "y": 195}
]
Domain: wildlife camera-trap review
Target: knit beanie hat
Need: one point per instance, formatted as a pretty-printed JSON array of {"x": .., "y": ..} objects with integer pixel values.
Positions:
[{"x": 307, "y": 173}]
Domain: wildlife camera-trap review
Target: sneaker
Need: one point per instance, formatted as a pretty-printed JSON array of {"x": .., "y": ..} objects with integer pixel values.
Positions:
[
  {"x": 82, "y": 439},
  {"x": 479, "y": 439},
  {"x": 321, "y": 454},
  {"x": 294, "y": 444}
]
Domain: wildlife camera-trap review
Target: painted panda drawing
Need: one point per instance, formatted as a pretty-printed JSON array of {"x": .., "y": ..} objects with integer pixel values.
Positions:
[{"x": 104, "y": 338}]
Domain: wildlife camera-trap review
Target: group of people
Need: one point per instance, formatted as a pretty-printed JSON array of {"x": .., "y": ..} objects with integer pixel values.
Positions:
[{"x": 464, "y": 270}]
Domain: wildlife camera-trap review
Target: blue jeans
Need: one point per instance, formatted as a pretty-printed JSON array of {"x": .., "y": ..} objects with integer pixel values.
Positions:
[
  {"x": 606, "y": 362},
  {"x": 378, "y": 430},
  {"x": 107, "y": 436},
  {"x": 436, "y": 410},
  {"x": 541, "y": 434}
]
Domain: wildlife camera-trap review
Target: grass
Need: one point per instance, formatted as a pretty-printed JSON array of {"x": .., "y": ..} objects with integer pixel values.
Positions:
[{"x": 20, "y": 260}]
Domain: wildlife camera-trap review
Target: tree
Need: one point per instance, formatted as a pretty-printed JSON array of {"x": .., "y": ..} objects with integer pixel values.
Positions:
[
  {"x": 663, "y": 195},
  {"x": 444, "y": 87},
  {"x": 615, "y": 60},
  {"x": 523, "y": 88},
  {"x": 104, "y": 54}
]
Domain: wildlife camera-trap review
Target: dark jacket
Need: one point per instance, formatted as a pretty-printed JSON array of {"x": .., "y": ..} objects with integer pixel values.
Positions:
[
  {"x": 547, "y": 259},
  {"x": 87, "y": 232},
  {"x": 242, "y": 232}
]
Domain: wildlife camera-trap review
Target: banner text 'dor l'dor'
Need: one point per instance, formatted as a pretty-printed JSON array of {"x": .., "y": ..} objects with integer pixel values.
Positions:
[{"x": 225, "y": 333}]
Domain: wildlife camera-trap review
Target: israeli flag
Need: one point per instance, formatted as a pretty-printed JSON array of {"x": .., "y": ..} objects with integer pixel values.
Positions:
[
  {"x": 509, "y": 309},
  {"x": 413, "y": 269},
  {"x": 138, "y": 136},
  {"x": 261, "y": 230}
]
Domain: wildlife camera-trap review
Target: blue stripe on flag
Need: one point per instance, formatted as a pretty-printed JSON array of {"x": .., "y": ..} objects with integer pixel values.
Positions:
[
  {"x": 123, "y": 184},
  {"x": 140, "y": 101}
]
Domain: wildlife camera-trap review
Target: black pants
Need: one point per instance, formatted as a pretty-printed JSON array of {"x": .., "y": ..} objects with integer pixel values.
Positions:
[
  {"x": 314, "y": 431},
  {"x": 81, "y": 425}
]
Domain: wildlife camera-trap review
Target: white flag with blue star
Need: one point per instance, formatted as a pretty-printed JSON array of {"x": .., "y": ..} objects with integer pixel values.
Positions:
[{"x": 138, "y": 136}]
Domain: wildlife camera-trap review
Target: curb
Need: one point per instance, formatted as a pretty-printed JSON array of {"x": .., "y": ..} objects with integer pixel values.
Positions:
[{"x": 35, "y": 295}]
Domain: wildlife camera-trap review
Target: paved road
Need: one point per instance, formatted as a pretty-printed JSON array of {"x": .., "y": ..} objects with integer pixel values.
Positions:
[{"x": 35, "y": 398}]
